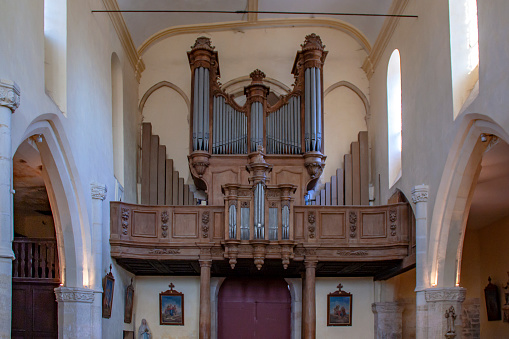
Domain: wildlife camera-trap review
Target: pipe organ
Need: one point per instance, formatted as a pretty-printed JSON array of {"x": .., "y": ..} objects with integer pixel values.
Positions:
[{"x": 291, "y": 127}]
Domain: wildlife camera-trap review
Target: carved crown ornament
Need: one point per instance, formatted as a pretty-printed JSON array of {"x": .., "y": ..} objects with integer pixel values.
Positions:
[
  {"x": 9, "y": 94},
  {"x": 203, "y": 42},
  {"x": 312, "y": 41},
  {"x": 257, "y": 75}
]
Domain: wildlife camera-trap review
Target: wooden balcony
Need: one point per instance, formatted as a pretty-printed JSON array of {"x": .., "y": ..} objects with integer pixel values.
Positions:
[
  {"x": 171, "y": 239},
  {"x": 36, "y": 260}
]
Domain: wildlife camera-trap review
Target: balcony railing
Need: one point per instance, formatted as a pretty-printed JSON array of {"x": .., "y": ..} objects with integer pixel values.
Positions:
[{"x": 35, "y": 259}]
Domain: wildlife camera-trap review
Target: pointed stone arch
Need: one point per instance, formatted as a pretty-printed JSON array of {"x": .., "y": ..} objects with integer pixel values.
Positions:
[
  {"x": 66, "y": 199},
  {"x": 454, "y": 197}
]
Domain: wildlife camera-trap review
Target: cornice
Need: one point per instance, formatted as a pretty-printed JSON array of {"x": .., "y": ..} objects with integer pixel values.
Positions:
[
  {"x": 265, "y": 23},
  {"x": 454, "y": 294},
  {"x": 74, "y": 294},
  {"x": 388, "y": 28},
  {"x": 125, "y": 37}
]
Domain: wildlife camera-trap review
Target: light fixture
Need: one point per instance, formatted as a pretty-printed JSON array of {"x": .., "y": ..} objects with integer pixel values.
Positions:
[{"x": 484, "y": 136}]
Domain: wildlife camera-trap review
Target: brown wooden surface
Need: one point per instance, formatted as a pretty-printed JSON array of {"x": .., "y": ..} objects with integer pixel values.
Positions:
[
  {"x": 356, "y": 179},
  {"x": 154, "y": 153},
  {"x": 364, "y": 167},
  {"x": 340, "y": 179},
  {"x": 181, "y": 192},
  {"x": 161, "y": 175},
  {"x": 348, "y": 180},
  {"x": 145, "y": 163},
  {"x": 169, "y": 182}
]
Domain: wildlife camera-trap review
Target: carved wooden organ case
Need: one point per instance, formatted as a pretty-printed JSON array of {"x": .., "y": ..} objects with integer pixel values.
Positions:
[{"x": 223, "y": 134}]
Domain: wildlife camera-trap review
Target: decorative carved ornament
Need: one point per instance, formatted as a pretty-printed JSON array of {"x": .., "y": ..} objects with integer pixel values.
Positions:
[
  {"x": 353, "y": 224},
  {"x": 311, "y": 227},
  {"x": 164, "y": 220},
  {"x": 125, "y": 220},
  {"x": 205, "y": 218},
  {"x": 354, "y": 253},
  {"x": 454, "y": 294},
  {"x": 98, "y": 191},
  {"x": 312, "y": 41},
  {"x": 9, "y": 95},
  {"x": 393, "y": 216},
  {"x": 74, "y": 294},
  {"x": 420, "y": 194},
  {"x": 244, "y": 193},
  {"x": 203, "y": 42},
  {"x": 217, "y": 252},
  {"x": 244, "y": 204},
  {"x": 300, "y": 251},
  {"x": 257, "y": 75},
  {"x": 165, "y": 251},
  {"x": 272, "y": 204},
  {"x": 450, "y": 315}
]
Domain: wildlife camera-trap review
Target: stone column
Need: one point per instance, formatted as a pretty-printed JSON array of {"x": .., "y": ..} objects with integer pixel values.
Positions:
[
  {"x": 439, "y": 300},
  {"x": 388, "y": 320},
  {"x": 420, "y": 199},
  {"x": 9, "y": 102},
  {"x": 74, "y": 312},
  {"x": 98, "y": 192},
  {"x": 309, "y": 301},
  {"x": 205, "y": 299}
]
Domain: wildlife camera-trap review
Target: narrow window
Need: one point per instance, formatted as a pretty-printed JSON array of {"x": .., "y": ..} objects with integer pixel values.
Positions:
[{"x": 394, "y": 117}]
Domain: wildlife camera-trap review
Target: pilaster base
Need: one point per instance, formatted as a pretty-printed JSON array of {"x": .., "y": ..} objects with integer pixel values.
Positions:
[
  {"x": 388, "y": 320},
  {"x": 75, "y": 312}
]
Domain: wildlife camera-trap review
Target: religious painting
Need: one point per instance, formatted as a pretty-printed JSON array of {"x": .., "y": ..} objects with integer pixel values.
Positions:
[
  {"x": 492, "y": 301},
  {"x": 108, "y": 285},
  {"x": 339, "y": 308},
  {"x": 171, "y": 307},
  {"x": 128, "y": 309}
]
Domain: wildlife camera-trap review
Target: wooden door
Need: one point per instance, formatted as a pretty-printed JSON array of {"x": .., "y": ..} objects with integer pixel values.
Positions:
[
  {"x": 254, "y": 308},
  {"x": 34, "y": 310}
]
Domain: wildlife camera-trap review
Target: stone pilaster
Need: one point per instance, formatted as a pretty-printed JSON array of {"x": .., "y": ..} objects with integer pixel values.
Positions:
[
  {"x": 388, "y": 320},
  {"x": 98, "y": 192},
  {"x": 420, "y": 199},
  {"x": 438, "y": 301},
  {"x": 9, "y": 102},
  {"x": 75, "y": 312}
]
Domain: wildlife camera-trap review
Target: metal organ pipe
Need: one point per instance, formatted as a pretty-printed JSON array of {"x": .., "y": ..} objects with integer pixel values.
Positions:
[
  {"x": 229, "y": 129},
  {"x": 259, "y": 211},
  {"x": 283, "y": 129},
  {"x": 313, "y": 109},
  {"x": 232, "y": 221},
  {"x": 201, "y": 109}
]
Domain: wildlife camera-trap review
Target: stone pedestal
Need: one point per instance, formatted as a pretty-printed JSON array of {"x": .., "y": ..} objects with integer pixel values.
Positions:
[
  {"x": 439, "y": 300},
  {"x": 75, "y": 312},
  {"x": 388, "y": 320},
  {"x": 9, "y": 102}
]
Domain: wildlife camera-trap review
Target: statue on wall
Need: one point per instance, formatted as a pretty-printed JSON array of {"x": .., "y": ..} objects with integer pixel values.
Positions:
[{"x": 144, "y": 331}]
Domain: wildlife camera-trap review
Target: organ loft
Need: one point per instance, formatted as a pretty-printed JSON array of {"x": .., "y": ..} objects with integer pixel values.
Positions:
[{"x": 258, "y": 162}]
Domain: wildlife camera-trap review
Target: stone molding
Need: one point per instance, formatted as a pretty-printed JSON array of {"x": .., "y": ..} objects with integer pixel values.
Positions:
[
  {"x": 9, "y": 94},
  {"x": 420, "y": 193},
  {"x": 98, "y": 191},
  {"x": 387, "y": 307},
  {"x": 451, "y": 294},
  {"x": 74, "y": 294}
]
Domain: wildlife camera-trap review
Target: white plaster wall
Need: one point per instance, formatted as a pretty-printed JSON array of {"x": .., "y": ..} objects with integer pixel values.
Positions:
[
  {"x": 362, "y": 290},
  {"x": 273, "y": 51},
  {"x": 169, "y": 115},
  {"x": 146, "y": 305}
]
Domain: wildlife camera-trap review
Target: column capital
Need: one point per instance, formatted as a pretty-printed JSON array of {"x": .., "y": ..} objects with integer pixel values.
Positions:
[
  {"x": 98, "y": 190},
  {"x": 9, "y": 94},
  {"x": 420, "y": 193},
  {"x": 74, "y": 294},
  {"x": 452, "y": 294},
  {"x": 387, "y": 307},
  {"x": 310, "y": 263},
  {"x": 205, "y": 262}
]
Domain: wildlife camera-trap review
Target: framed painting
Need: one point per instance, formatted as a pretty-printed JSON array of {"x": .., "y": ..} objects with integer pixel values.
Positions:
[
  {"x": 108, "y": 285},
  {"x": 171, "y": 307},
  {"x": 339, "y": 308},
  {"x": 492, "y": 301},
  {"x": 128, "y": 310}
]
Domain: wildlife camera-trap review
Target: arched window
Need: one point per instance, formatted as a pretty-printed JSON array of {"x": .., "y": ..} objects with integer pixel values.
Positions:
[
  {"x": 394, "y": 117},
  {"x": 117, "y": 112},
  {"x": 464, "y": 50}
]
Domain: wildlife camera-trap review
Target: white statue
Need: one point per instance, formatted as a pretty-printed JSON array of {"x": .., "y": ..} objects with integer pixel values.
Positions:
[{"x": 144, "y": 331}]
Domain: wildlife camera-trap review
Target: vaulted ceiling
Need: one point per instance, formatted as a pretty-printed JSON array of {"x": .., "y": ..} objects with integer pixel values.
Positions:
[{"x": 144, "y": 25}]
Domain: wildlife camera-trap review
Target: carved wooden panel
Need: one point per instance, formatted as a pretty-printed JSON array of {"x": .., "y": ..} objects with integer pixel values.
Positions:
[
  {"x": 185, "y": 225},
  {"x": 295, "y": 175},
  {"x": 332, "y": 225},
  {"x": 299, "y": 225},
  {"x": 219, "y": 178},
  {"x": 144, "y": 224},
  {"x": 373, "y": 225},
  {"x": 218, "y": 225}
]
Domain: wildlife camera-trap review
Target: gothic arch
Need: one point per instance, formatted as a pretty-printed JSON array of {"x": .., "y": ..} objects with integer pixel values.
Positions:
[
  {"x": 66, "y": 199},
  {"x": 354, "y": 88},
  {"x": 160, "y": 84},
  {"x": 454, "y": 197}
]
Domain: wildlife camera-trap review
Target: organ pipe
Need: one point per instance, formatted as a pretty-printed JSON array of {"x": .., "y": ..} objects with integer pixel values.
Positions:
[{"x": 201, "y": 109}]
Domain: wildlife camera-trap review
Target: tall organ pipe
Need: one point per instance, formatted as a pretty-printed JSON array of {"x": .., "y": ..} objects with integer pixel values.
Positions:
[
  {"x": 201, "y": 109},
  {"x": 313, "y": 109}
]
